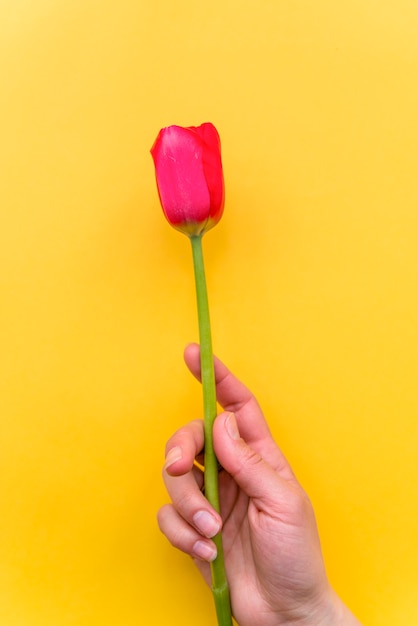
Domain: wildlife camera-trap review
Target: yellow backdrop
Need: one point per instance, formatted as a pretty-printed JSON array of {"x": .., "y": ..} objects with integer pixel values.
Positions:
[{"x": 312, "y": 276}]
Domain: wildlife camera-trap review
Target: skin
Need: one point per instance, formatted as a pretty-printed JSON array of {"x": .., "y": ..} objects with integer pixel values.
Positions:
[{"x": 272, "y": 550}]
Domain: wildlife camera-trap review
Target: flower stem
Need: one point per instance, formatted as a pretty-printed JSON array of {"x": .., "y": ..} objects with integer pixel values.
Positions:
[{"x": 220, "y": 588}]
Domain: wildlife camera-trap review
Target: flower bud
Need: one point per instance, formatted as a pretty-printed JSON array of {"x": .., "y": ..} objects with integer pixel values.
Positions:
[{"x": 189, "y": 177}]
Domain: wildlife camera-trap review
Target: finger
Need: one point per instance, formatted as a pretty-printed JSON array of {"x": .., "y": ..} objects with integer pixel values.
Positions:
[
  {"x": 257, "y": 478},
  {"x": 182, "y": 536},
  {"x": 235, "y": 397},
  {"x": 191, "y": 504},
  {"x": 183, "y": 447},
  {"x": 232, "y": 394},
  {"x": 183, "y": 480}
]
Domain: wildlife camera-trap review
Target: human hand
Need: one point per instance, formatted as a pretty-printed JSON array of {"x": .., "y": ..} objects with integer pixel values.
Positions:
[{"x": 273, "y": 556}]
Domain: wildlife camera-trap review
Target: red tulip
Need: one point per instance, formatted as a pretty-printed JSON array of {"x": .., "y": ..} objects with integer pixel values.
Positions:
[
  {"x": 189, "y": 176},
  {"x": 190, "y": 184}
]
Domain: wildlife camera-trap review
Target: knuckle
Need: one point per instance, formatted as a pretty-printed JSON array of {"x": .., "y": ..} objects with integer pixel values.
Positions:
[
  {"x": 171, "y": 527},
  {"x": 185, "y": 504},
  {"x": 249, "y": 462},
  {"x": 185, "y": 435},
  {"x": 251, "y": 458},
  {"x": 176, "y": 537},
  {"x": 299, "y": 503},
  {"x": 162, "y": 515}
]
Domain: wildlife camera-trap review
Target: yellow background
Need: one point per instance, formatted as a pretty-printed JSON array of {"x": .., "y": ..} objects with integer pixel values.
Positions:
[{"x": 312, "y": 276}]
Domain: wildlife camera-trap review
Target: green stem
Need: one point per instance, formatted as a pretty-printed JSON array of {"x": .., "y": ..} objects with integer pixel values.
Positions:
[{"x": 219, "y": 582}]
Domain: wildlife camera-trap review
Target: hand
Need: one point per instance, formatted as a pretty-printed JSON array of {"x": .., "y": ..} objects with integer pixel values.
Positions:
[{"x": 272, "y": 551}]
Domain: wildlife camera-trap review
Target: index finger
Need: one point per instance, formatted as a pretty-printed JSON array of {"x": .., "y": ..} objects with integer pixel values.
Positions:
[
  {"x": 234, "y": 396},
  {"x": 183, "y": 447}
]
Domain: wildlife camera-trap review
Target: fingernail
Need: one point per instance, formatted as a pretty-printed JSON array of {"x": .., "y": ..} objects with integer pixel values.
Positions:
[
  {"x": 206, "y": 523},
  {"x": 205, "y": 551},
  {"x": 173, "y": 455},
  {"x": 232, "y": 426}
]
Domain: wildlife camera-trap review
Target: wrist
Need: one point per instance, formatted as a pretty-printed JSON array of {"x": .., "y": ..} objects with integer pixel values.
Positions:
[{"x": 331, "y": 611}]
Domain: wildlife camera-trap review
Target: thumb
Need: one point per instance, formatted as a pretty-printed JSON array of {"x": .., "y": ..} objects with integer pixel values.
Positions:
[{"x": 251, "y": 472}]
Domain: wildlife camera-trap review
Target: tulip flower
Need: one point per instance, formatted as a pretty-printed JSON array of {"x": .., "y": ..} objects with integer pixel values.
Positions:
[
  {"x": 191, "y": 189},
  {"x": 189, "y": 177}
]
